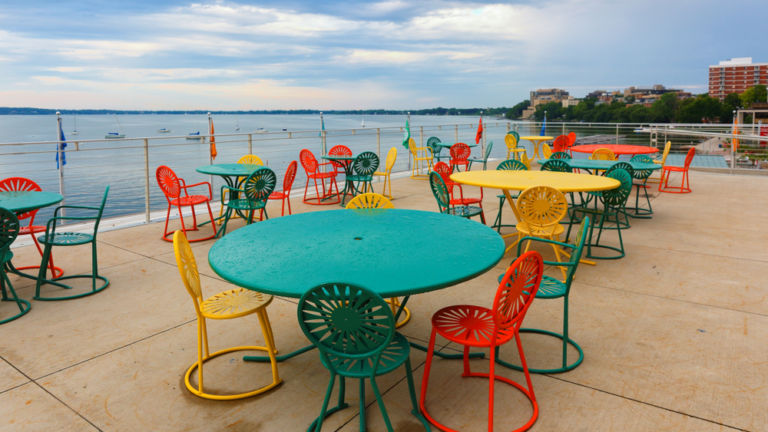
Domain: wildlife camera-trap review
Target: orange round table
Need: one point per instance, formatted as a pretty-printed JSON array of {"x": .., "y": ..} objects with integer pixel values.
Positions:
[{"x": 617, "y": 149}]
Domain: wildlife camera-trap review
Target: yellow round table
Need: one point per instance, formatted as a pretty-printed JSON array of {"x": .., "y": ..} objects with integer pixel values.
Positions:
[{"x": 537, "y": 140}]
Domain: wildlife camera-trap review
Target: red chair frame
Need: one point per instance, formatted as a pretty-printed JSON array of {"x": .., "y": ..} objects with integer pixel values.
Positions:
[
  {"x": 476, "y": 326},
  {"x": 666, "y": 170},
  {"x": 175, "y": 190},
  {"x": 24, "y": 184},
  {"x": 285, "y": 194},
  {"x": 445, "y": 173},
  {"x": 340, "y": 150},
  {"x": 460, "y": 153},
  {"x": 313, "y": 170},
  {"x": 560, "y": 144}
]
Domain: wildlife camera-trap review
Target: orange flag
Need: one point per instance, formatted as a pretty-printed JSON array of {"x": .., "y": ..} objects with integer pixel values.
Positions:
[
  {"x": 213, "y": 139},
  {"x": 479, "y": 134}
]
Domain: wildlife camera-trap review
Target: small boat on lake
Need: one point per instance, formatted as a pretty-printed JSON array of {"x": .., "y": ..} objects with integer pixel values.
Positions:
[
  {"x": 114, "y": 135},
  {"x": 194, "y": 136},
  {"x": 163, "y": 130}
]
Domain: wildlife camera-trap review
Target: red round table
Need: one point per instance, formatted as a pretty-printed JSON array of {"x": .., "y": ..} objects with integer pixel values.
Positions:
[{"x": 617, "y": 149}]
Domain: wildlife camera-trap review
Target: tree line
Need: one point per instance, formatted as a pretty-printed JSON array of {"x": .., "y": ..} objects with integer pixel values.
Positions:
[{"x": 668, "y": 109}]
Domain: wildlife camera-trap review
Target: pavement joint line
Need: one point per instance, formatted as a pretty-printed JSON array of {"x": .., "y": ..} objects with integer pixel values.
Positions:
[
  {"x": 644, "y": 403},
  {"x": 117, "y": 348},
  {"x": 697, "y": 252},
  {"x": 675, "y": 299},
  {"x": 34, "y": 382}
]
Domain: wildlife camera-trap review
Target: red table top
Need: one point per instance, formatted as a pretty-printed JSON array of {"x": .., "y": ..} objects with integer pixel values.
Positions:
[{"x": 617, "y": 149}]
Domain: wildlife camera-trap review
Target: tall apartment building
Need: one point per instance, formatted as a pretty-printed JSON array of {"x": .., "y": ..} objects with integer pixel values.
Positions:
[{"x": 735, "y": 76}]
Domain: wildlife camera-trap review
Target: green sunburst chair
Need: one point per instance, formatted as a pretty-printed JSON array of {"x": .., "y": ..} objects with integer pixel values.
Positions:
[{"x": 9, "y": 229}]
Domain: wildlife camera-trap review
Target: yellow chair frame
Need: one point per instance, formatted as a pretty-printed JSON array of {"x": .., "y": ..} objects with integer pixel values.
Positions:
[
  {"x": 378, "y": 201},
  {"x": 229, "y": 304},
  {"x": 512, "y": 148},
  {"x": 388, "y": 165},
  {"x": 602, "y": 154},
  {"x": 546, "y": 150},
  {"x": 419, "y": 161},
  {"x": 540, "y": 208},
  {"x": 661, "y": 161}
]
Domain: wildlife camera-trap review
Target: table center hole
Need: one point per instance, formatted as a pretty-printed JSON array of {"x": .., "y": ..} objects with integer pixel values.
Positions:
[{"x": 358, "y": 238}]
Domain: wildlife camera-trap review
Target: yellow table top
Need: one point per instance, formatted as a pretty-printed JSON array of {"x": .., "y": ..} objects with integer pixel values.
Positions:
[
  {"x": 537, "y": 138},
  {"x": 520, "y": 180}
]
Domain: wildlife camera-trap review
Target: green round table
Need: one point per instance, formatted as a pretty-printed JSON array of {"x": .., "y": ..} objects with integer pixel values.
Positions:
[
  {"x": 595, "y": 164},
  {"x": 24, "y": 201},
  {"x": 393, "y": 252},
  {"x": 230, "y": 172}
]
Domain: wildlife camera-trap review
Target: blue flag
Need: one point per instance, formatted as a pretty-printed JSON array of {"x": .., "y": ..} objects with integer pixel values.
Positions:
[
  {"x": 63, "y": 144},
  {"x": 544, "y": 125}
]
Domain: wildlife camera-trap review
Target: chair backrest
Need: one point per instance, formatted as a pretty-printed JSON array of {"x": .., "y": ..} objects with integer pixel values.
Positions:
[
  {"x": 487, "y": 151},
  {"x": 440, "y": 191},
  {"x": 620, "y": 165},
  {"x": 290, "y": 175},
  {"x": 571, "y": 139},
  {"x": 542, "y": 207},
  {"x": 581, "y": 238},
  {"x": 460, "y": 152},
  {"x": 346, "y": 321},
  {"x": 370, "y": 201},
  {"x": 560, "y": 155},
  {"x": 168, "y": 182},
  {"x": 560, "y": 143},
  {"x": 510, "y": 141},
  {"x": 546, "y": 150},
  {"x": 444, "y": 170},
  {"x": 366, "y": 163},
  {"x": 389, "y": 163},
  {"x": 260, "y": 184},
  {"x": 432, "y": 144},
  {"x": 339, "y": 150},
  {"x": 21, "y": 184},
  {"x": 308, "y": 161},
  {"x": 602, "y": 154},
  {"x": 9, "y": 229},
  {"x": 517, "y": 289},
  {"x": 185, "y": 261},
  {"x": 689, "y": 157},
  {"x": 101, "y": 211},
  {"x": 514, "y": 134},
  {"x": 512, "y": 165},
  {"x": 557, "y": 165},
  {"x": 525, "y": 160},
  {"x": 412, "y": 147},
  {"x": 250, "y": 159},
  {"x": 665, "y": 153},
  {"x": 641, "y": 174},
  {"x": 432, "y": 140},
  {"x": 617, "y": 197}
]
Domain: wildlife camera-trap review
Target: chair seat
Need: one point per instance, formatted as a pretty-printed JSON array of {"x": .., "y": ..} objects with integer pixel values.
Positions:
[
  {"x": 278, "y": 195},
  {"x": 393, "y": 356},
  {"x": 31, "y": 229},
  {"x": 553, "y": 230},
  {"x": 66, "y": 239},
  {"x": 322, "y": 175},
  {"x": 468, "y": 325},
  {"x": 465, "y": 211},
  {"x": 464, "y": 201},
  {"x": 674, "y": 168},
  {"x": 245, "y": 204},
  {"x": 550, "y": 287},
  {"x": 359, "y": 178},
  {"x": 234, "y": 303},
  {"x": 189, "y": 200},
  {"x": 379, "y": 173}
]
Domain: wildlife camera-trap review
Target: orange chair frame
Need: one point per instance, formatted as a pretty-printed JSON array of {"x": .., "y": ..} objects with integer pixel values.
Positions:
[
  {"x": 460, "y": 153},
  {"x": 176, "y": 194},
  {"x": 313, "y": 170},
  {"x": 666, "y": 171},
  {"x": 285, "y": 194}
]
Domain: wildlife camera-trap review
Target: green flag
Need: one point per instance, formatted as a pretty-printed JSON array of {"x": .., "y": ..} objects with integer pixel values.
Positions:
[{"x": 406, "y": 134}]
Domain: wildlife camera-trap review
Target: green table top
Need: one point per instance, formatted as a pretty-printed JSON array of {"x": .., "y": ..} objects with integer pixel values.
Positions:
[
  {"x": 229, "y": 169},
  {"x": 23, "y": 201},
  {"x": 339, "y": 157},
  {"x": 393, "y": 252},
  {"x": 591, "y": 164}
]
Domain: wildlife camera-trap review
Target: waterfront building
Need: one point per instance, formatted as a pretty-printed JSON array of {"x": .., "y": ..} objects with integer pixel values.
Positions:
[{"x": 735, "y": 76}]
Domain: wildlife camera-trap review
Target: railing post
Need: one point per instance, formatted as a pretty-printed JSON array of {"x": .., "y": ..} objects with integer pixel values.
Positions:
[
  {"x": 146, "y": 180},
  {"x": 378, "y": 142},
  {"x": 250, "y": 143},
  {"x": 563, "y": 131},
  {"x": 617, "y": 133},
  {"x": 455, "y": 133}
]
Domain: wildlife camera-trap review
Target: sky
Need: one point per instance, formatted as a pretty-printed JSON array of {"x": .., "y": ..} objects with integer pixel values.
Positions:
[{"x": 330, "y": 54}]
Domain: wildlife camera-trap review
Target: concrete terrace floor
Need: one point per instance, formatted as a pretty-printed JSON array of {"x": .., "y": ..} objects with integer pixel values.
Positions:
[{"x": 675, "y": 336}]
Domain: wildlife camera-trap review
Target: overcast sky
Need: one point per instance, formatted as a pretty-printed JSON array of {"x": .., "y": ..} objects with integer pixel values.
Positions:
[{"x": 329, "y": 54}]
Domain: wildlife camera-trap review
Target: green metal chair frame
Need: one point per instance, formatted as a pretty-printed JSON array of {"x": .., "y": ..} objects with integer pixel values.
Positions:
[
  {"x": 53, "y": 238},
  {"x": 613, "y": 205},
  {"x": 559, "y": 164},
  {"x": 9, "y": 230},
  {"x": 560, "y": 155},
  {"x": 484, "y": 160},
  {"x": 626, "y": 166},
  {"x": 363, "y": 167},
  {"x": 507, "y": 165},
  {"x": 251, "y": 196},
  {"x": 641, "y": 177},
  {"x": 354, "y": 330},
  {"x": 443, "y": 198},
  {"x": 552, "y": 288},
  {"x": 436, "y": 149}
]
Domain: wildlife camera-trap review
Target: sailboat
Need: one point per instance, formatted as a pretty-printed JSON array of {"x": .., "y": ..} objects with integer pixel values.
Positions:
[
  {"x": 75, "y": 131},
  {"x": 237, "y": 125},
  {"x": 115, "y": 135},
  {"x": 362, "y": 123}
]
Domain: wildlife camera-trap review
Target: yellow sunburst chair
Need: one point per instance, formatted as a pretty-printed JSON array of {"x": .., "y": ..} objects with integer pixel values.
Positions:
[
  {"x": 422, "y": 159},
  {"x": 662, "y": 162},
  {"x": 388, "y": 165},
  {"x": 229, "y": 304},
  {"x": 513, "y": 151}
]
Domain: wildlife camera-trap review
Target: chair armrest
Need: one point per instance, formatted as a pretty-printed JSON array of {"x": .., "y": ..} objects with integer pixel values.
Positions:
[
  {"x": 230, "y": 189},
  {"x": 56, "y": 212},
  {"x": 210, "y": 189},
  {"x": 548, "y": 241},
  {"x": 50, "y": 226}
]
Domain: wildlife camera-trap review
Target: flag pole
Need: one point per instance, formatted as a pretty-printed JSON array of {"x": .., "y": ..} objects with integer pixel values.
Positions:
[
  {"x": 60, "y": 157},
  {"x": 322, "y": 131},
  {"x": 482, "y": 137},
  {"x": 408, "y": 123},
  {"x": 210, "y": 154}
]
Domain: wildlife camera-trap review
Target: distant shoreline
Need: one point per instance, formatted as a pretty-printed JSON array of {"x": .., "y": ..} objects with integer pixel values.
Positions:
[{"x": 430, "y": 111}]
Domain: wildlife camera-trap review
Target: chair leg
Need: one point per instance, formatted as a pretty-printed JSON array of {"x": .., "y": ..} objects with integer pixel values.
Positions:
[
  {"x": 382, "y": 408},
  {"x": 425, "y": 377}
]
